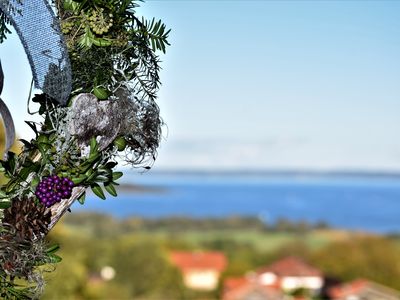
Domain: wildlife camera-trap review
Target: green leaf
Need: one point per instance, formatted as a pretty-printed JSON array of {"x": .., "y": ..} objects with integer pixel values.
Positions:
[
  {"x": 110, "y": 189},
  {"x": 26, "y": 143},
  {"x": 3, "y": 194},
  {"x": 101, "y": 93},
  {"x": 116, "y": 175},
  {"x": 54, "y": 258},
  {"x": 102, "y": 178},
  {"x": 89, "y": 172},
  {"x": 64, "y": 174},
  {"x": 35, "y": 181},
  {"x": 93, "y": 146},
  {"x": 79, "y": 179},
  {"x": 33, "y": 126},
  {"x": 82, "y": 198},
  {"x": 101, "y": 42},
  {"x": 12, "y": 184},
  {"x": 86, "y": 40},
  {"x": 10, "y": 164},
  {"x": 32, "y": 168},
  {"x": 93, "y": 157},
  {"x": 120, "y": 143},
  {"x": 88, "y": 164},
  {"x": 42, "y": 109},
  {"x": 111, "y": 164},
  {"x": 5, "y": 203},
  {"x": 92, "y": 176},
  {"x": 53, "y": 249},
  {"x": 43, "y": 148},
  {"x": 105, "y": 171},
  {"x": 71, "y": 5},
  {"x": 98, "y": 191}
]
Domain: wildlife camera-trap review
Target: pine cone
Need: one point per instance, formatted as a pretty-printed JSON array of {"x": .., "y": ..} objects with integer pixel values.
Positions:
[{"x": 29, "y": 219}]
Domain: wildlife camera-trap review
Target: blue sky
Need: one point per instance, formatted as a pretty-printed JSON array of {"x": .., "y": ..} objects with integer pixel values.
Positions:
[{"x": 269, "y": 84}]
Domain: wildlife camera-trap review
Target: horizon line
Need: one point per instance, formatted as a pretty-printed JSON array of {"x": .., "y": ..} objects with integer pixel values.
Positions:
[{"x": 283, "y": 172}]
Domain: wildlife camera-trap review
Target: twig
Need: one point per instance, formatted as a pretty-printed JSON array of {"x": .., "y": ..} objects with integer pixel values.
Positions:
[{"x": 59, "y": 209}]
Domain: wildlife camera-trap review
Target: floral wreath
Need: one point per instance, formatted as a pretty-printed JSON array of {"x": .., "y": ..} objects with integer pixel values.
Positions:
[{"x": 97, "y": 66}]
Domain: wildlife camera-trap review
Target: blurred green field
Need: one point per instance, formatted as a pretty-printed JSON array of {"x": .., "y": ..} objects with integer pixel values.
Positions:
[
  {"x": 260, "y": 240},
  {"x": 138, "y": 250},
  {"x": 245, "y": 231}
]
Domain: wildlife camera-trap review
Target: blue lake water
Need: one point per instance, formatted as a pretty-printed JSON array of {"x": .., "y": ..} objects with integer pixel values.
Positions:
[{"x": 355, "y": 203}]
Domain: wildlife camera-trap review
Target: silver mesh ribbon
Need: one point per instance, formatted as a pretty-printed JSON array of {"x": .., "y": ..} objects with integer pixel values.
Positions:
[{"x": 39, "y": 31}]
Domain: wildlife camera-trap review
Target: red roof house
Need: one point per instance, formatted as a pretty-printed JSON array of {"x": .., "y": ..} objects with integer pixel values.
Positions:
[
  {"x": 362, "y": 289},
  {"x": 242, "y": 288},
  {"x": 200, "y": 270},
  {"x": 291, "y": 273}
]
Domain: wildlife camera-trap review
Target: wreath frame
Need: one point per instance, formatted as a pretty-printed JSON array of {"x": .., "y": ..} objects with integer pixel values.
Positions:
[{"x": 110, "y": 116}]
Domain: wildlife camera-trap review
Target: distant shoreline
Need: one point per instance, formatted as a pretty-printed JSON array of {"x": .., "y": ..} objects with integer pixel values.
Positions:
[
  {"x": 283, "y": 173},
  {"x": 135, "y": 188}
]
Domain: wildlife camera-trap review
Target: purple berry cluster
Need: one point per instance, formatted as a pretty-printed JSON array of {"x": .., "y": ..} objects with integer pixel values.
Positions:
[{"x": 53, "y": 188}]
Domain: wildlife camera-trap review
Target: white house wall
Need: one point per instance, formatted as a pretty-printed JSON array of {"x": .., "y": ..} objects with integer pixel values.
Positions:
[
  {"x": 268, "y": 278},
  {"x": 201, "y": 279},
  {"x": 312, "y": 283}
]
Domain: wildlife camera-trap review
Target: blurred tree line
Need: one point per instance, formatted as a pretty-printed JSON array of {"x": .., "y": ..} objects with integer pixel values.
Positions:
[
  {"x": 89, "y": 242},
  {"x": 181, "y": 223},
  {"x": 141, "y": 265}
]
